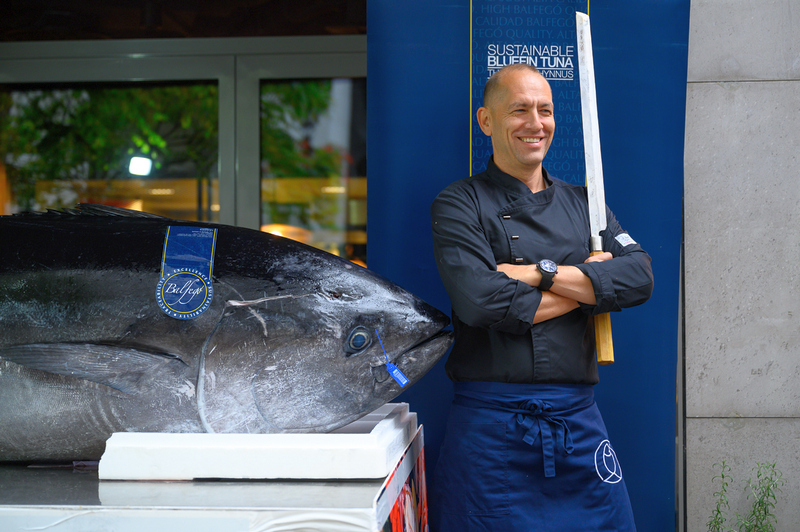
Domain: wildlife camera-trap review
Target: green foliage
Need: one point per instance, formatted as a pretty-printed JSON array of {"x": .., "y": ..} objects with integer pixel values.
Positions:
[
  {"x": 288, "y": 112},
  {"x": 763, "y": 491},
  {"x": 716, "y": 521},
  {"x": 90, "y": 132}
]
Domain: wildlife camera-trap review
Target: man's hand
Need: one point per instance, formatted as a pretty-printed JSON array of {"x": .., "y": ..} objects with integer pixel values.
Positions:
[{"x": 600, "y": 257}]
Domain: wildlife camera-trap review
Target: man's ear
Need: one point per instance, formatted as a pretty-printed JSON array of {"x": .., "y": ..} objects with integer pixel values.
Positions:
[{"x": 485, "y": 121}]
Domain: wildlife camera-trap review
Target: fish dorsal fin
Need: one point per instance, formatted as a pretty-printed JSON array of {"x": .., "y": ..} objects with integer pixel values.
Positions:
[
  {"x": 122, "y": 368},
  {"x": 92, "y": 209},
  {"x": 96, "y": 209}
]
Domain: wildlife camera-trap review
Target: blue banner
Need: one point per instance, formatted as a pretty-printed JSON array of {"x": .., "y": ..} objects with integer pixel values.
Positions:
[
  {"x": 419, "y": 64},
  {"x": 540, "y": 33},
  {"x": 184, "y": 290}
]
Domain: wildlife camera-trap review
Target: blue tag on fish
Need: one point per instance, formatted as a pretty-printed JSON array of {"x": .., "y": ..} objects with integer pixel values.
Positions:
[
  {"x": 184, "y": 290},
  {"x": 393, "y": 370},
  {"x": 396, "y": 374}
]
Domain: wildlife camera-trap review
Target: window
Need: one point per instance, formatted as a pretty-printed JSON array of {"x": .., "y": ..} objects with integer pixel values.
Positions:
[
  {"x": 313, "y": 163},
  {"x": 217, "y": 172},
  {"x": 80, "y": 143}
]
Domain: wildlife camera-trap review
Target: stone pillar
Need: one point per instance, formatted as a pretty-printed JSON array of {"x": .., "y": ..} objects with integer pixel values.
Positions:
[{"x": 742, "y": 252}]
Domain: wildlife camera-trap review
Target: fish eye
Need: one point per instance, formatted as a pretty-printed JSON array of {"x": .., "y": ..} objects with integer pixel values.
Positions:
[{"x": 358, "y": 340}]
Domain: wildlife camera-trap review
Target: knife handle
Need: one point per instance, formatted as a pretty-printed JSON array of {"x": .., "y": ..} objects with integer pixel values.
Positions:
[{"x": 602, "y": 335}]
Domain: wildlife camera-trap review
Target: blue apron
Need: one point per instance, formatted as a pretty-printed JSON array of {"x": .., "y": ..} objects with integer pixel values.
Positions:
[{"x": 528, "y": 457}]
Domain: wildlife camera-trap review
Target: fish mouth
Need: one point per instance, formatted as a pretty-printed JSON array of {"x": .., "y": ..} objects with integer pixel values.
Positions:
[
  {"x": 426, "y": 342},
  {"x": 415, "y": 361}
]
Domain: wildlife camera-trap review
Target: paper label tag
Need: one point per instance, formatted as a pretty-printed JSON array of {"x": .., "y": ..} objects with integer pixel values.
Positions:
[
  {"x": 184, "y": 290},
  {"x": 625, "y": 239}
]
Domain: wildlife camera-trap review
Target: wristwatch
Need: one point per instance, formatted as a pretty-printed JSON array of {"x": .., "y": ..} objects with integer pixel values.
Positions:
[{"x": 548, "y": 269}]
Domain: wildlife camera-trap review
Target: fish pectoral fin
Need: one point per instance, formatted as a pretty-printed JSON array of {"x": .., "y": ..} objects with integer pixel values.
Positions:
[{"x": 122, "y": 368}]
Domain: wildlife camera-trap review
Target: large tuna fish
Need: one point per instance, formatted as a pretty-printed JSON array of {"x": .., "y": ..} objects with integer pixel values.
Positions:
[{"x": 290, "y": 342}]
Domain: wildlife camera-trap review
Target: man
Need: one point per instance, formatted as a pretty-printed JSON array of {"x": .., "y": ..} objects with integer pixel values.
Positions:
[{"x": 525, "y": 447}]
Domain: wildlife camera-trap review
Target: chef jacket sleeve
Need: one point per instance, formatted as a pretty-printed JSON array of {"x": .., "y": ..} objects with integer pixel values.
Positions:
[
  {"x": 479, "y": 294},
  {"x": 623, "y": 282}
]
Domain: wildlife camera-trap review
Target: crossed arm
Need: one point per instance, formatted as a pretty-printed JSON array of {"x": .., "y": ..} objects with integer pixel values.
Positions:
[{"x": 570, "y": 287}]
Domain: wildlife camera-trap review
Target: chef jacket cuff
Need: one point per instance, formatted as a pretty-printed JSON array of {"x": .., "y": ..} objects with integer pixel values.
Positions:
[
  {"x": 604, "y": 293},
  {"x": 524, "y": 303}
]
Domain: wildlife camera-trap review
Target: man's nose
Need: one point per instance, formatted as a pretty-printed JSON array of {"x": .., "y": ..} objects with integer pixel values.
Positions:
[{"x": 534, "y": 120}]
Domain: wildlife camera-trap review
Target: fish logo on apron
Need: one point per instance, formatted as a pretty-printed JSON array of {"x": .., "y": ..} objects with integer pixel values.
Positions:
[{"x": 606, "y": 463}]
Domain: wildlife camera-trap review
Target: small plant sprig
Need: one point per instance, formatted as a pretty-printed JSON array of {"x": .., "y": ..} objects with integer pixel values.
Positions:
[
  {"x": 764, "y": 491},
  {"x": 716, "y": 521}
]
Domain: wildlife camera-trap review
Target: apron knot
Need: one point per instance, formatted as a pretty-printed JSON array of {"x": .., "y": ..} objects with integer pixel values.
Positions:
[{"x": 537, "y": 418}]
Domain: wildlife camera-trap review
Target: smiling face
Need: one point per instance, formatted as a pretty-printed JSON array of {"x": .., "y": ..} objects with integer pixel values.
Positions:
[{"x": 518, "y": 116}]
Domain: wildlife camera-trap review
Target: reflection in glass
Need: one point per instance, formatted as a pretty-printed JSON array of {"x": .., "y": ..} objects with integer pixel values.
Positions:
[
  {"x": 149, "y": 147},
  {"x": 313, "y": 163}
]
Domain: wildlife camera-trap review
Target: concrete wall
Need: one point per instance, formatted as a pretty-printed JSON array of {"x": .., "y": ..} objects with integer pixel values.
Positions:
[{"x": 742, "y": 251}]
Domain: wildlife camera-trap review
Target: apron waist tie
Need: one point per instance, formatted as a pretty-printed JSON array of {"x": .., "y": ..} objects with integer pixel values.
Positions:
[{"x": 537, "y": 418}]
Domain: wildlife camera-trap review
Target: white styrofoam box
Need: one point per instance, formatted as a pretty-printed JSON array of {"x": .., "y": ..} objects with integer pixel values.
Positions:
[{"x": 367, "y": 448}]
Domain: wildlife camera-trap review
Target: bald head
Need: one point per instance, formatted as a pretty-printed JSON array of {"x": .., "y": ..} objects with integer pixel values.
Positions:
[{"x": 495, "y": 84}]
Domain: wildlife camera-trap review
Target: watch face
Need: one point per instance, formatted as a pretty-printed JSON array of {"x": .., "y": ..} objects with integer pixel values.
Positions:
[{"x": 548, "y": 265}]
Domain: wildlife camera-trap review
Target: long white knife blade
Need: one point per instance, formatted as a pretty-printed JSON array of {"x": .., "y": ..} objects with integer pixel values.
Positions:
[
  {"x": 591, "y": 132},
  {"x": 594, "y": 172}
]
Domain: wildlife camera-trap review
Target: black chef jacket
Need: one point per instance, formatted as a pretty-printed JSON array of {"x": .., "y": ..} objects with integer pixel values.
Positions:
[{"x": 493, "y": 218}]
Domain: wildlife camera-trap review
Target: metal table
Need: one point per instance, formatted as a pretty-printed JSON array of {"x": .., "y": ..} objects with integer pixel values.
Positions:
[
  {"x": 66, "y": 500},
  {"x": 74, "y": 500}
]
